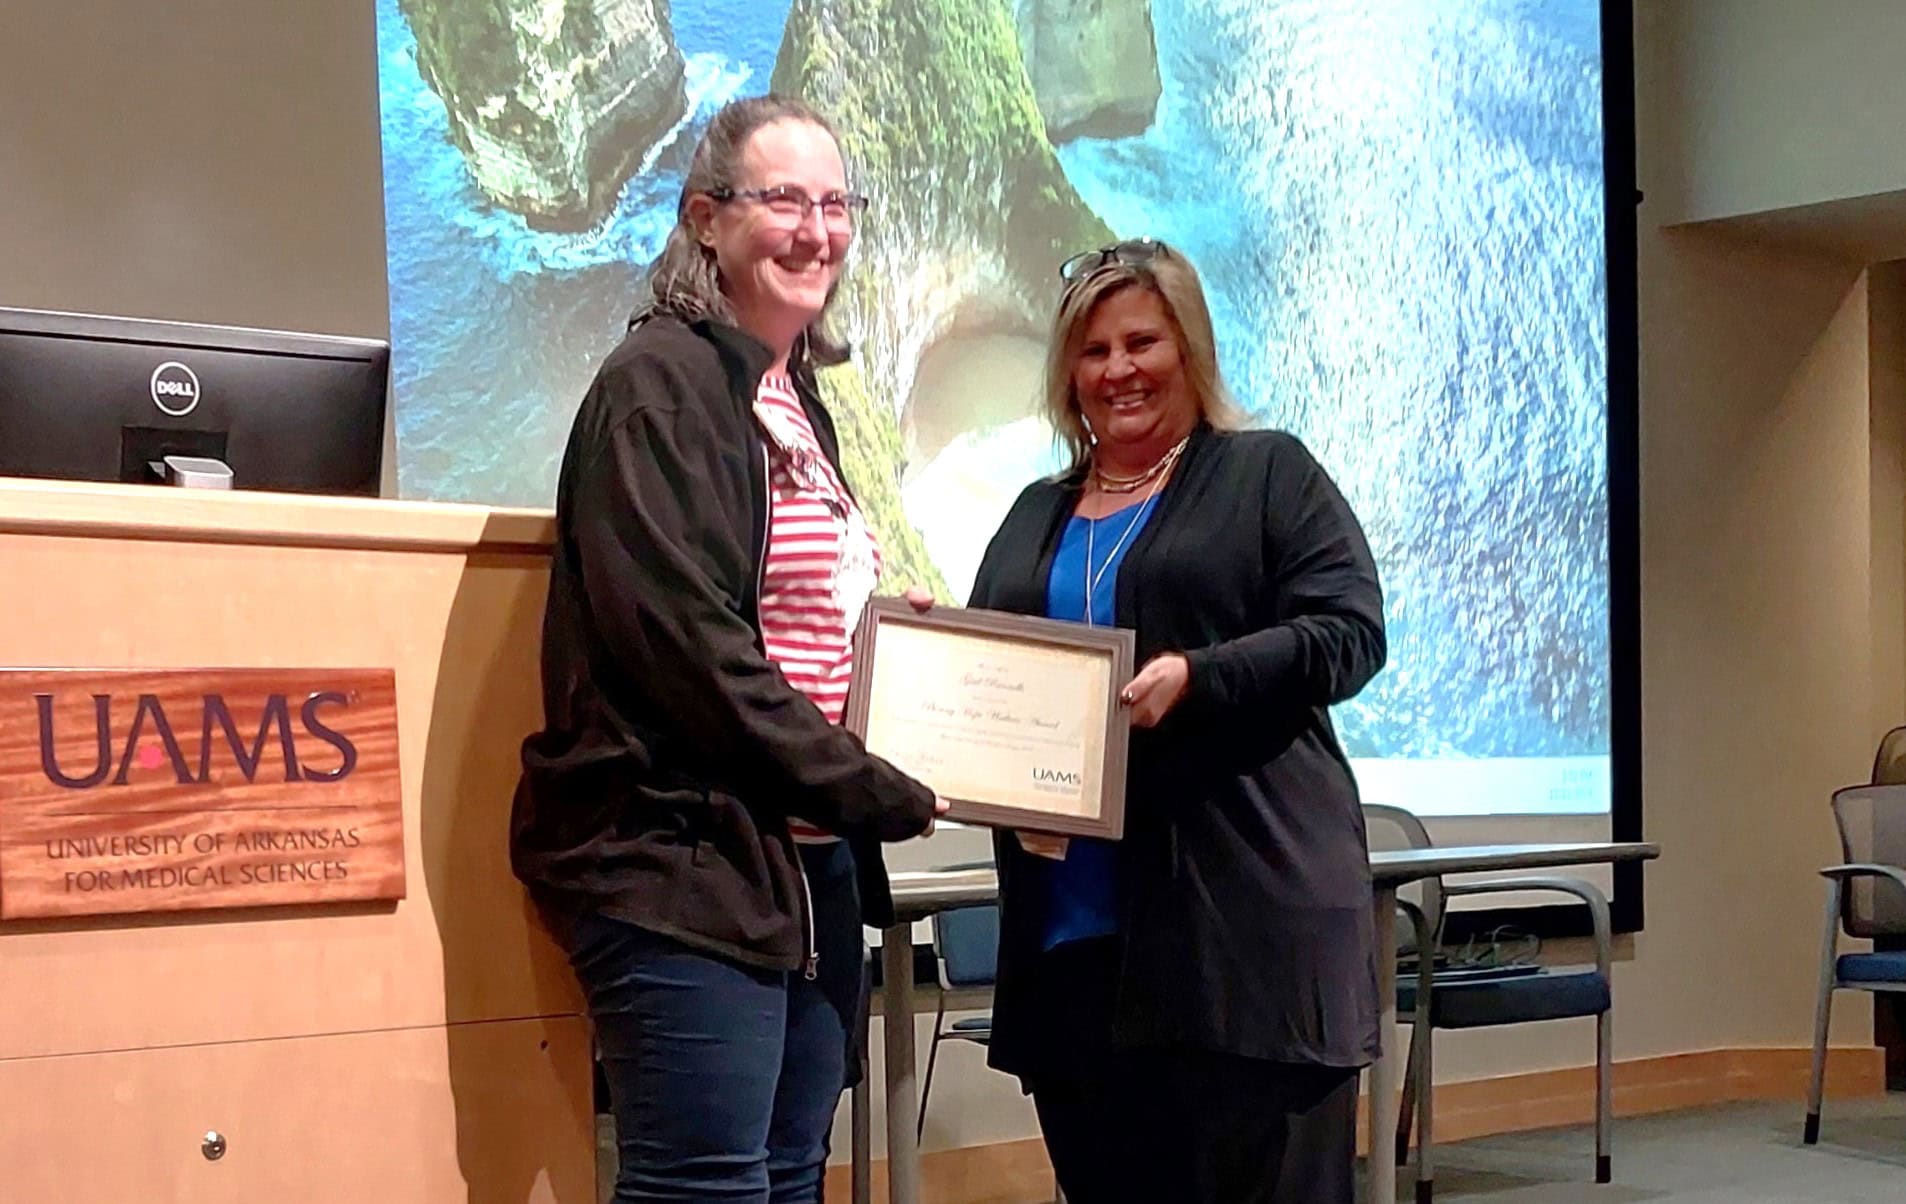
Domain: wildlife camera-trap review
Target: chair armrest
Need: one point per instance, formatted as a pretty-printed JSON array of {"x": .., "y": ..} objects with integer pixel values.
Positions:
[
  {"x": 1586, "y": 891},
  {"x": 1425, "y": 963},
  {"x": 1865, "y": 869},
  {"x": 1425, "y": 943},
  {"x": 1838, "y": 876}
]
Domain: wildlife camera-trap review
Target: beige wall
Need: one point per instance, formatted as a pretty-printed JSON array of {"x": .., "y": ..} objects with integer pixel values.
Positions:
[
  {"x": 220, "y": 162},
  {"x": 1773, "y": 429},
  {"x": 1779, "y": 103},
  {"x": 1886, "y": 362},
  {"x": 1759, "y": 682},
  {"x": 217, "y": 161}
]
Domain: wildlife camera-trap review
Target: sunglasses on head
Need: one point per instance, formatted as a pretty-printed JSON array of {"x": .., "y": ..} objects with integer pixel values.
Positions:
[{"x": 1132, "y": 252}]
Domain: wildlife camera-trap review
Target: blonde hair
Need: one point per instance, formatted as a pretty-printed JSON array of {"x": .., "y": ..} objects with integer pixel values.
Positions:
[{"x": 1174, "y": 281}]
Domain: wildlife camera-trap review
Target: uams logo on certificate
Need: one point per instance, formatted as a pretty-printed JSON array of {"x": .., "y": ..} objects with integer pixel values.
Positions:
[
  {"x": 1056, "y": 781},
  {"x": 175, "y": 388}
]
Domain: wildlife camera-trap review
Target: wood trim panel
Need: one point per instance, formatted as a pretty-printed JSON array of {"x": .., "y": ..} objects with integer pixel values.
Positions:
[
  {"x": 1018, "y": 1172},
  {"x": 1516, "y": 1103}
]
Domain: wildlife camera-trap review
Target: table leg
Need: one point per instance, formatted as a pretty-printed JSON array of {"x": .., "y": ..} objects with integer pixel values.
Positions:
[
  {"x": 1385, "y": 1072},
  {"x": 903, "y": 1101},
  {"x": 863, "y": 1124}
]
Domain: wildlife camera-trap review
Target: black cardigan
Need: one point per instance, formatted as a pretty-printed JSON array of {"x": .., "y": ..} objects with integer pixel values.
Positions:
[
  {"x": 673, "y": 750},
  {"x": 1244, "y": 886}
]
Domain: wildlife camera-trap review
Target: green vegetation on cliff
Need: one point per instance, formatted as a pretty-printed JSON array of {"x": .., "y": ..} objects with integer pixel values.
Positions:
[
  {"x": 870, "y": 450},
  {"x": 933, "y": 104},
  {"x": 972, "y": 212}
]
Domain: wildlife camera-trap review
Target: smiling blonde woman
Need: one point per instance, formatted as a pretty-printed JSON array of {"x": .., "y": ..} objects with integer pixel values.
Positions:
[{"x": 1189, "y": 1007}]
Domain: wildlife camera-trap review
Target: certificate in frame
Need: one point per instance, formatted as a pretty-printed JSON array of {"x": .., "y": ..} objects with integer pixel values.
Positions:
[{"x": 1013, "y": 720}]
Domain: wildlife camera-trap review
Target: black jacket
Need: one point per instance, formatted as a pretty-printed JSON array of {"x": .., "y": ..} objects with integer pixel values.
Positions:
[
  {"x": 1244, "y": 885},
  {"x": 674, "y": 750}
]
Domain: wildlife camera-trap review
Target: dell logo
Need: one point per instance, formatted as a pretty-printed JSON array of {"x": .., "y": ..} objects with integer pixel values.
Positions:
[{"x": 175, "y": 388}]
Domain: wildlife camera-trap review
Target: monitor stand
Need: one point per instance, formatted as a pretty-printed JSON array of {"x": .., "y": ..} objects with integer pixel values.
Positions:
[
  {"x": 194, "y": 472},
  {"x": 145, "y": 451}
]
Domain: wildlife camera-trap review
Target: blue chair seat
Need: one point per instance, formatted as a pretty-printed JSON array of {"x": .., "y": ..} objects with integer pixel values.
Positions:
[
  {"x": 1872, "y": 967},
  {"x": 973, "y": 1028},
  {"x": 1550, "y": 995}
]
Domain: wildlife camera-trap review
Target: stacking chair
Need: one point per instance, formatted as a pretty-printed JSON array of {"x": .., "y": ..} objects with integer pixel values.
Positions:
[
  {"x": 966, "y": 948},
  {"x": 1866, "y": 897},
  {"x": 1889, "y": 763},
  {"x": 1486, "y": 996}
]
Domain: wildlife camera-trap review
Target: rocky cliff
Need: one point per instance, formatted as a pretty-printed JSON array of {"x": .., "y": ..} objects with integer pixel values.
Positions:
[
  {"x": 971, "y": 212},
  {"x": 552, "y": 103},
  {"x": 1093, "y": 65}
]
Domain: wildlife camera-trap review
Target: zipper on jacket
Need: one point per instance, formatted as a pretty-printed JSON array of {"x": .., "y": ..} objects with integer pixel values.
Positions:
[
  {"x": 813, "y": 940},
  {"x": 811, "y": 963},
  {"x": 767, "y": 533}
]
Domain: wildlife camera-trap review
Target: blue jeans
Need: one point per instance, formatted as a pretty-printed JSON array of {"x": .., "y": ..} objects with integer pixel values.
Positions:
[{"x": 723, "y": 1078}]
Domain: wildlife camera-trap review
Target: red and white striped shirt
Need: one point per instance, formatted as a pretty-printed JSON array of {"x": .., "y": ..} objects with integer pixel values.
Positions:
[{"x": 822, "y": 562}]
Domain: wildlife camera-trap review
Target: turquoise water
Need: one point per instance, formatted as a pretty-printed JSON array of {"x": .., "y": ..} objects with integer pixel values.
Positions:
[{"x": 1397, "y": 210}]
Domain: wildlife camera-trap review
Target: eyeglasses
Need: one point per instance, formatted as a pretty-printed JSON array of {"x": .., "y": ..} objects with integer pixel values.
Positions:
[
  {"x": 792, "y": 205},
  {"x": 1132, "y": 252}
]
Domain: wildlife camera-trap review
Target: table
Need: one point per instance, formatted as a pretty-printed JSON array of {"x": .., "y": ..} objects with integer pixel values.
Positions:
[{"x": 921, "y": 893}]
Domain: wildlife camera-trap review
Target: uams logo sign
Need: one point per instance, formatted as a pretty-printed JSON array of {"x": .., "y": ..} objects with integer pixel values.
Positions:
[
  {"x": 162, "y": 747},
  {"x": 129, "y": 790},
  {"x": 175, "y": 388}
]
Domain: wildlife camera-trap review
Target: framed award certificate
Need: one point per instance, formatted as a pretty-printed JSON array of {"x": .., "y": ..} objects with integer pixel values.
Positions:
[{"x": 1014, "y": 721}]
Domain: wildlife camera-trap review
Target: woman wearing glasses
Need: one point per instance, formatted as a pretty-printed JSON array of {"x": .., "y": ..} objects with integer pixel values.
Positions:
[
  {"x": 702, "y": 833},
  {"x": 1189, "y": 1006}
]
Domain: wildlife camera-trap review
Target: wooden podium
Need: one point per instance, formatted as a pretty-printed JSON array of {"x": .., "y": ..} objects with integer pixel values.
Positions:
[{"x": 423, "y": 1048}]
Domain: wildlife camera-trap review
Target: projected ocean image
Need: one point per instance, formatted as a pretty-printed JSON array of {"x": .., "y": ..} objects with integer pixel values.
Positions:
[{"x": 1396, "y": 208}]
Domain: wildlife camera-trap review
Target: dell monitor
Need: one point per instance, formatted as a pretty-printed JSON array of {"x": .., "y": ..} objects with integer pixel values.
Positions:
[{"x": 91, "y": 398}]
